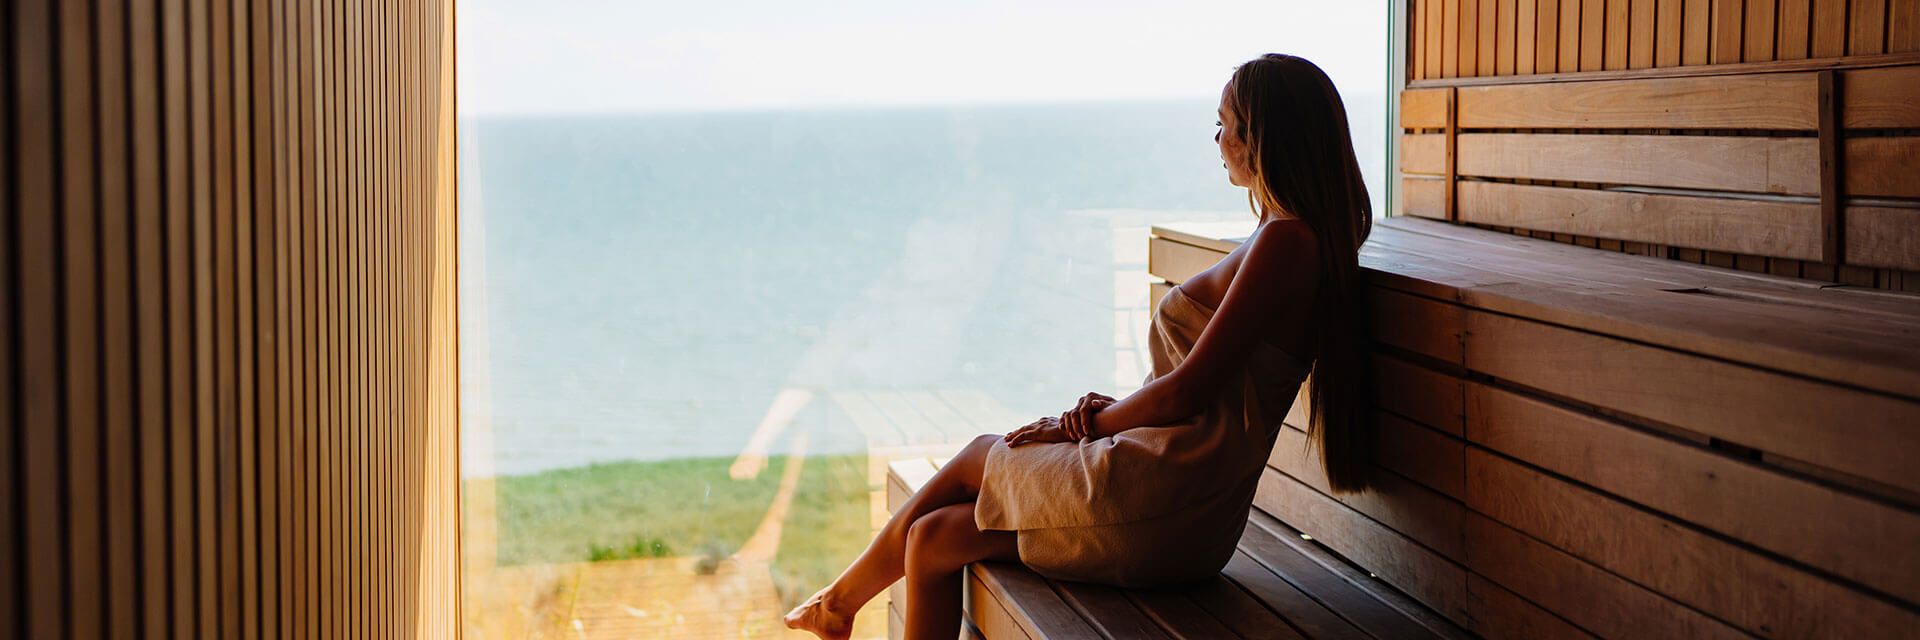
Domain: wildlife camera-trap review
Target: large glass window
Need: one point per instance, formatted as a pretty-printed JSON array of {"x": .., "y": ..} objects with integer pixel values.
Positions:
[{"x": 722, "y": 262}]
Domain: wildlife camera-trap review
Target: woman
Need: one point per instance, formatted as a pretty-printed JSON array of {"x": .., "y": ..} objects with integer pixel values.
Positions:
[{"x": 1154, "y": 489}]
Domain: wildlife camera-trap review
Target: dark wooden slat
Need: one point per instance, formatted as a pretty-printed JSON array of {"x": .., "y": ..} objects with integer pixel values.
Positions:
[
  {"x": 1027, "y": 599},
  {"x": 43, "y": 581},
  {"x": 1240, "y": 612},
  {"x": 1867, "y": 27},
  {"x": 1179, "y": 615},
  {"x": 1502, "y": 614},
  {"x": 1588, "y": 596},
  {"x": 119, "y": 431},
  {"x": 1299, "y": 609},
  {"x": 1883, "y": 237},
  {"x": 1839, "y": 532},
  {"x": 1880, "y": 98},
  {"x": 82, "y": 503},
  {"x": 1109, "y": 611},
  {"x": 1755, "y": 593}
]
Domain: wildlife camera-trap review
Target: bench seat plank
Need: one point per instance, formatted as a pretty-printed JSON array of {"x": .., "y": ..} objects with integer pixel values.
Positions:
[
  {"x": 1110, "y": 611},
  {"x": 1303, "y": 611},
  {"x": 1802, "y": 327},
  {"x": 1272, "y": 588}
]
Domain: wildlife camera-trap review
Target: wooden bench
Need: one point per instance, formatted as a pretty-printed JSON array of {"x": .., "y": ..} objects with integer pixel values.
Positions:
[
  {"x": 1279, "y": 585},
  {"x": 1582, "y": 443},
  {"x": 1571, "y": 443}
]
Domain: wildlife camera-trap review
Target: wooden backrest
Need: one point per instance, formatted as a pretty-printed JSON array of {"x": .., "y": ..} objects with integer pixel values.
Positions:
[
  {"x": 1575, "y": 443},
  {"x": 1753, "y": 172},
  {"x": 1776, "y": 136}
]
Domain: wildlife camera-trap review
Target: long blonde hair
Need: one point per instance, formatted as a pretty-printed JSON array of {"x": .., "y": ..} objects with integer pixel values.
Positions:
[{"x": 1301, "y": 155}]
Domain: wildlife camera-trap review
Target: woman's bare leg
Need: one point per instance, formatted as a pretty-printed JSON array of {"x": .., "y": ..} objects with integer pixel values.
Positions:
[
  {"x": 829, "y": 613},
  {"x": 939, "y": 546}
]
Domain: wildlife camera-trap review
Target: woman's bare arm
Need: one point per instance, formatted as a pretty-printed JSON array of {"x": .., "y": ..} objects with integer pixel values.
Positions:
[{"x": 1280, "y": 269}]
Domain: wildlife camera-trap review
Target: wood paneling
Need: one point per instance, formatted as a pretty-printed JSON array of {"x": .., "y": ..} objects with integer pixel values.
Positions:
[
  {"x": 1481, "y": 38},
  {"x": 1750, "y": 227},
  {"x": 1720, "y": 163},
  {"x": 1773, "y": 101},
  {"x": 228, "y": 293},
  {"x": 1606, "y": 481}
]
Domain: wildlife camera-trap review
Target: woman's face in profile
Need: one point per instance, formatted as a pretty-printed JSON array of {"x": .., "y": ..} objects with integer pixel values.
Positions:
[{"x": 1233, "y": 150}]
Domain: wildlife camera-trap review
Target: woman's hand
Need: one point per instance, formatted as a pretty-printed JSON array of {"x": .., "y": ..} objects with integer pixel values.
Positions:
[
  {"x": 1078, "y": 421},
  {"x": 1042, "y": 430}
]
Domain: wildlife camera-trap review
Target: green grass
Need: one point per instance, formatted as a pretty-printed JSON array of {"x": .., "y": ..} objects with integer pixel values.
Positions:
[{"x": 687, "y": 507}]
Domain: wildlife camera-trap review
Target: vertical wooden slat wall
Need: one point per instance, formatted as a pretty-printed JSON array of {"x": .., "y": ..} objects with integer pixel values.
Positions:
[
  {"x": 227, "y": 319},
  {"x": 1837, "y": 202}
]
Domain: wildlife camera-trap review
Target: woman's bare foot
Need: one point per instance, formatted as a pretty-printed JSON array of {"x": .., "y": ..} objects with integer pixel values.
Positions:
[{"x": 819, "y": 616}]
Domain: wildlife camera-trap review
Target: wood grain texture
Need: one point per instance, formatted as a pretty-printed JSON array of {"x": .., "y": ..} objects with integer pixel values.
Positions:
[
  {"x": 1883, "y": 166},
  {"x": 1795, "y": 27},
  {"x": 1423, "y": 109},
  {"x": 1570, "y": 31},
  {"x": 1546, "y": 37},
  {"x": 1903, "y": 26},
  {"x": 1880, "y": 98},
  {"x": 1850, "y": 536},
  {"x": 1720, "y": 163},
  {"x": 1759, "y": 22},
  {"x": 1771, "y": 101},
  {"x": 1867, "y": 27},
  {"x": 1727, "y": 30},
  {"x": 1526, "y": 56},
  {"x": 1697, "y": 33},
  {"x": 1424, "y": 197},
  {"x": 1751, "y": 407},
  {"x": 1640, "y": 37},
  {"x": 1588, "y": 596},
  {"x": 1780, "y": 229},
  {"x": 170, "y": 472},
  {"x": 1423, "y": 154},
  {"x": 1883, "y": 237},
  {"x": 1618, "y": 28},
  {"x": 1750, "y": 591},
  {"x": 1507, "y": 14}
]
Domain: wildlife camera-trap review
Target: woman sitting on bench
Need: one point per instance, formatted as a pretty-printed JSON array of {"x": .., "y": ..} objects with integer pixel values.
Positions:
[{"x": 1154, "y": 489}]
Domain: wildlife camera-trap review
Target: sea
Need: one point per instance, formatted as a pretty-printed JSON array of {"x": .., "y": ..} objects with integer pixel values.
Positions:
[{"x": 646, "y": 286}]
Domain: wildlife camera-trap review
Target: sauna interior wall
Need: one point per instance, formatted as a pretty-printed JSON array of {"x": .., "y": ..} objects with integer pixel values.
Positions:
[
  {"x": 1480, "y": 42},
  {"x": 226, "y": 346}
]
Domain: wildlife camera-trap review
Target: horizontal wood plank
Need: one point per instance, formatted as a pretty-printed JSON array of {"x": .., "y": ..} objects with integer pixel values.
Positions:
[
  {"x": 1883, "y": 237},
  {"x": 1424, "y": 197},
  {"x": 1423, "y": 153},
  {"x": 1885, "y": 167},
  {"x": 1420, "y": 325},
  {"x": 1423, "y": 395},
  {"x": 1405, "y": 506},
  {"x": 1850, "y": 536},
  {"x": 1781, "y": 415},
  {"x": 1757, "y": 594},
  {"x": 1410, "y": 567},
  {"x": 1769, "y": 101},
  {"x": 1773, "y": 229},
  {"x": 1721, "y": 163},
  {"x": 1880, "y": 98},
  {"x": 1176, "y": 262},
  {"x": 1587, "y": 595},
  {"x": 1423, "y": 109},
  {"x": 1500, "y": 613},
  {"x": 1790, "y": 325}
]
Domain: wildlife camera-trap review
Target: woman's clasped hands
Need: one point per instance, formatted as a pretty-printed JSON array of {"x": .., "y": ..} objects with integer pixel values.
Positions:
[{"x": 1074, "y": 424}]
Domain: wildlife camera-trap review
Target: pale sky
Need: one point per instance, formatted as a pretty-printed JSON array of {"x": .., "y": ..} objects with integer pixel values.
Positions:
[{"x": 551, "y": 56}]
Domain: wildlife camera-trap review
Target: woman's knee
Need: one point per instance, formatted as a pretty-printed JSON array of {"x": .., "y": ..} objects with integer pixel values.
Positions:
[{"x": 936, "y": 541}]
